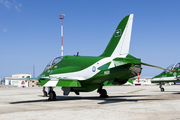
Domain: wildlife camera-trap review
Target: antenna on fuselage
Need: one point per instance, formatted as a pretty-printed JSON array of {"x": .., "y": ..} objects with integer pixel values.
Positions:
[
  {"x": 61, "y": 16},
  {"x": 77, "y": 54}
]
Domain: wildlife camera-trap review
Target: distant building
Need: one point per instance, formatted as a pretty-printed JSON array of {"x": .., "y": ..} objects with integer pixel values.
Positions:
[
  {"x": 3, "y": 81},
  {"x": 142, "y": 81},
  {"x": 21, "y": 83},
  {"x": 32, "y": 84}
]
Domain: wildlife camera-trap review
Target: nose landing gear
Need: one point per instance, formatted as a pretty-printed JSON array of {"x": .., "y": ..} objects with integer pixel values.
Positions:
[{"x": 160, "y": 86}]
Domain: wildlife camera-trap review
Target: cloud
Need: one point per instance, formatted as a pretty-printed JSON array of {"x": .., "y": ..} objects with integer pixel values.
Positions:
[
  {"x": 5, "y": 30},
  {"x": 17, "y": 8},
  {"x": 8, "y": 4}
]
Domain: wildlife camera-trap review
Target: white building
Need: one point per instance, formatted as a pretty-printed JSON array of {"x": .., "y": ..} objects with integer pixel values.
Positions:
[
  {"x": 18, "y": 83},
  {"x": 143, "y": 81}
]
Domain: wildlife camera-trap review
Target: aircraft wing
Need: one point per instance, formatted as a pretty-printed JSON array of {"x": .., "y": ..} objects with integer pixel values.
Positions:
[
  {"x": 164, "y": 80},
  {"x": 28, "y": 79},
  {"x": 52, "y": 82},
  {"x": 112, "y": 83},
  {"x": 145, "y": 64}
]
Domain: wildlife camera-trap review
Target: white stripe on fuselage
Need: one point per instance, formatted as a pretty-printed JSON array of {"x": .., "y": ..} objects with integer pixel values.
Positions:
[
  {"x": 164, "y": 79},
  {"x": 52, "y": 83}
]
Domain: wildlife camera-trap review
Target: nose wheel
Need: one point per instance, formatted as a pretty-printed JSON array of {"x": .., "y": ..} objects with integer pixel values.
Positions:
[{"x": 161, "y": 88}]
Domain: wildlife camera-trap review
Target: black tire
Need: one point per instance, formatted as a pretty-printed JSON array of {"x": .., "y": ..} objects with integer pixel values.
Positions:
[
  {"x": 162, "y": 89},
  {"x": 103, "y": 94},
  {"x": 52, "y": 96}
]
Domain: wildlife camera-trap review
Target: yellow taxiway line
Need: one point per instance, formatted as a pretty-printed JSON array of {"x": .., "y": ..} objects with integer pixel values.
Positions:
[{"x": 133, "y": 91}]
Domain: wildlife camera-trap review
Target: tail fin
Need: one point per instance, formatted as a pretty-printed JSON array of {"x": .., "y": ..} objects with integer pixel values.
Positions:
[{"x": 120, "y": 41}]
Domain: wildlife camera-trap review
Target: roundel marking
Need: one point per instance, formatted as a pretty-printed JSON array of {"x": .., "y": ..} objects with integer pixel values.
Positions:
[{"x": 93, "y": 68}]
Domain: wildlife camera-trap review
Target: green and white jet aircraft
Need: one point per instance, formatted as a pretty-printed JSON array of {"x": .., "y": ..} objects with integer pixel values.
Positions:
[
  {"x": 84, "y": 73},
  {"x": 171, "y": 75}
]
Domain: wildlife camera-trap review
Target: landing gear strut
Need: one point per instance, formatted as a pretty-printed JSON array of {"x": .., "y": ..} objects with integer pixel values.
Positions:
[
  {"x": 44, "y": 92},
  {"x": 160, "y": 86},
  {"x": 52, "y": 94},
  {"x": 102, "y": 92}
]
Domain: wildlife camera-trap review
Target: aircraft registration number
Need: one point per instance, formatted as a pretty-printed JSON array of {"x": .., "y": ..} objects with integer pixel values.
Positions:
[{"x": 106, "y": 72}]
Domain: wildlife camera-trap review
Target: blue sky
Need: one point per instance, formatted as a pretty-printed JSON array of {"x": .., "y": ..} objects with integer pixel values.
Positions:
[{"x": 30, "y": 31}]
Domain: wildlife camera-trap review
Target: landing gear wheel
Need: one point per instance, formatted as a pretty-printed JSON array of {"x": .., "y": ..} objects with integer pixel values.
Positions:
[
  {"x": 103, "y": 94},
  {"x": 160, "y": 86},
  {"x": 52, "y": 96},
  {"x": 162, "y": 89}
]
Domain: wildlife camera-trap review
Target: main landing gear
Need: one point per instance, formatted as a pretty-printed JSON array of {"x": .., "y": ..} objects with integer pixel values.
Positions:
[
  {"x": 102, "y": 92},
  {"x": 160, "y": 86},
  {"x": 52, "y": 94}
]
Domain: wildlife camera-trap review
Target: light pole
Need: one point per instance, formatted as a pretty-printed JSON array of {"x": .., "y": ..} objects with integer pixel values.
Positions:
[{"x": 61, "y": 16}]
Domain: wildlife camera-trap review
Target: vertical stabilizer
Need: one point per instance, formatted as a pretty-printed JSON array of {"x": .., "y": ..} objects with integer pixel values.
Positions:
[{"x": 120, "y": 41}]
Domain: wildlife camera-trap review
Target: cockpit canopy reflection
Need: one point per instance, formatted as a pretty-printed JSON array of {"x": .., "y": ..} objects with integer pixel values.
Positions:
[{"x": 53, "y": 62}]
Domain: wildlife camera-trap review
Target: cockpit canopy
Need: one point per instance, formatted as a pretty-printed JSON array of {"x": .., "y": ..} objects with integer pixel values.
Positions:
[
  {"x": 53, "y": 62},
  {"x": 174, "y": 66}
]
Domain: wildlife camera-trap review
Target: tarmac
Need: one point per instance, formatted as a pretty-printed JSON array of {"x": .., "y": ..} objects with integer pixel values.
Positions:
[{"x": 124, "y": 103}]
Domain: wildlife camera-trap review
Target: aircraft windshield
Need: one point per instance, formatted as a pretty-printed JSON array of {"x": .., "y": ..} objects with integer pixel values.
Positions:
[
  {"x": 170, "y": 67},
  {"x": 163, "y": 72},
  {"x": 53, "y": 62}
]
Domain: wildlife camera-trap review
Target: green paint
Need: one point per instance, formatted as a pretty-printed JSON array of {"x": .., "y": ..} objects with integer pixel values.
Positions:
[
  {"x": 66, "y": 69},
  {"x": 165, "y": 81},
  {"x": 68, "y": 83},
  {"x": 108, "y": 82},
  {"x": 130, "y": 81}
]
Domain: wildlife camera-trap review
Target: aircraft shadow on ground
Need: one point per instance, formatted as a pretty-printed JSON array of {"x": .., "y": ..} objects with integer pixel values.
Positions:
[
  {"x": 111, "y": 99},
  {"x": 171, "y": 92},
  {"x": 176, "y": 93}
]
